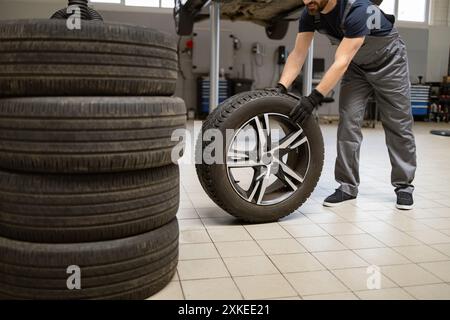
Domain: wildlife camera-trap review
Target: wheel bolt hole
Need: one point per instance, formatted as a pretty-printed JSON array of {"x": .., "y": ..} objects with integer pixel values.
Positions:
[{"x": 267, "y": 159}]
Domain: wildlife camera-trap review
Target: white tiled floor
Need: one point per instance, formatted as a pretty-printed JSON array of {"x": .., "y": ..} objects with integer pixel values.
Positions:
[{"x": 320, "y": 253}]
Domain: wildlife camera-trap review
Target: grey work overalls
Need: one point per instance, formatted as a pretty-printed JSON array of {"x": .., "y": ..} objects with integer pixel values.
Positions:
[{"x": 380, "y": 68}]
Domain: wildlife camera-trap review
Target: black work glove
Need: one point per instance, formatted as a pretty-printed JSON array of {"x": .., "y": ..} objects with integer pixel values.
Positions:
[
  {"x": 305, "y": 107},
  {"x": 279, "y": 88}
]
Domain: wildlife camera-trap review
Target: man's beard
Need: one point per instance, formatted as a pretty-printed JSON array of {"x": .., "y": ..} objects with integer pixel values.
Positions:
[{"x": 318, "y": 6}]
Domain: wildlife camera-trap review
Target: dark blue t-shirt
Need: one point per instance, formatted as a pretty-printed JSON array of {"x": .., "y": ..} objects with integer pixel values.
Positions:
[{"x": 355, "y": 24}]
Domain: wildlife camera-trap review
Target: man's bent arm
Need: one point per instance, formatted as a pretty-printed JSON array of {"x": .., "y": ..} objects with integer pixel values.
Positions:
[
  {"x": 296, "y": 58},
  {"x": 344, "y": 56}
]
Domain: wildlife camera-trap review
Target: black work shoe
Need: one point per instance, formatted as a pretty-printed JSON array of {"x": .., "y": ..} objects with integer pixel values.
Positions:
[
  {"x": 405, "y": 201},
  {"x": 337, "y": 198}
]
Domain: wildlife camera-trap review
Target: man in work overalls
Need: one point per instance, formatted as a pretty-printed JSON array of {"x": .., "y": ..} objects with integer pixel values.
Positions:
[{"x": 371, "y": 60}]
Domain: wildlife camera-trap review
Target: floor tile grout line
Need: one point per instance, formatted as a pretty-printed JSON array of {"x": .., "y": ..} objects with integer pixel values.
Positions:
[
  {"x": 296, "y": 242},
  {"x": 431, "y": 272},
  {"x": 226, "y": 267},
  {"x": 400, "y": 228},
  {"x": 424, "y": 245},
  {"x": 425, "y": 285},
  {"x": 219, "y": 254},
  {"x": 368, "y": 261},
  {"x": 429, "y": 243},
  {"x": 402, "y": 264},
  {"x": 375, "y": 290},
  {"x": 280, "y": 298},
  {"x": 330, "y": 270},
  {"x": 287, "y": 281},
  {"x": 448, "y": 255},
  {"x": 398, "y": 232},
  {"x": 310, "y": 271},
  {"x": 306, "y": 252},
  {"x": 381, "y": 266},
  {"x": 326, "y": 268},
  {"x": 182, "y": 290}
]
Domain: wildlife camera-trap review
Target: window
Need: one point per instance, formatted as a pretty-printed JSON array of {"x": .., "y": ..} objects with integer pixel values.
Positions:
[
  {"x": 388, "y": 6},
  {"x": 107, "y": 1},
  {"x": 412, "y": 10},
  {"x": 140, "y": 3},
  {"x": 167, "y": 3},
  {"x": 407, "y": 10}
]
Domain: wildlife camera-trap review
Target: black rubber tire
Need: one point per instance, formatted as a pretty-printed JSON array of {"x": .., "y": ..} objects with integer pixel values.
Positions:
[
  {"x": 277, "y": 30},
  {"x": 82, "y": 208},
  {"x": 88, "y": 134},
  {"x": 232, "y": 114},
  {"x": 442, "y": 133},
  {"x": 45, "y": 58},
  {"x": 129, "y": 268}
]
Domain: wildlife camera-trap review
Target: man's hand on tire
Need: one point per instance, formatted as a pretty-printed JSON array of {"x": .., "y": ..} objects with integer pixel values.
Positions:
[
  {"x": 303, "y": 110},
  {"x": 279, "y": 88}
]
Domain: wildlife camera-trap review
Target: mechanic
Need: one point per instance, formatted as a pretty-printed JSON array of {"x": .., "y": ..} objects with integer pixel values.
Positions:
[{"x": 371, "y": 59}]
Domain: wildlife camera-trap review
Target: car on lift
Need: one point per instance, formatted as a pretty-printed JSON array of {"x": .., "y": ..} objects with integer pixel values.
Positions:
[{"x": 273, "y": 15}]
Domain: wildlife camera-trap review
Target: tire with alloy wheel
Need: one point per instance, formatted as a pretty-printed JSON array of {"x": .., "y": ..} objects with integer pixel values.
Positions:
[
  {"x": 46, "y": 58},
  {"x": 129, "y": 268},
  {"x": 269, "y": 166},
  {"x": 89, "y": 134},
  {"x": 54, "y": 208}
]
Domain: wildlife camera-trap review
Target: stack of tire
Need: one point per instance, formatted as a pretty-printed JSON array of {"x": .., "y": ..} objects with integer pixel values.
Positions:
[{"x": 89, "y": 189}]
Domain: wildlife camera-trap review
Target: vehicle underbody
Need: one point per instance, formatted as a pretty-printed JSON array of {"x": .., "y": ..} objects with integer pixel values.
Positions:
[{"x": 274, "y": 15}]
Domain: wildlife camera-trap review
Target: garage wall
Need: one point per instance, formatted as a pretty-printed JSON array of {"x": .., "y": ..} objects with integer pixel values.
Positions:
[
  {"x": 439, "y": 41},
  {"x": 438, "y": 52},
  {"x": 26, "y": 10},
  {"x": 440, "y": 12},
  {"x": 417, "y": 43},
  {"x": 248, "y": 33},
  {"x": 428, "y": 48}
]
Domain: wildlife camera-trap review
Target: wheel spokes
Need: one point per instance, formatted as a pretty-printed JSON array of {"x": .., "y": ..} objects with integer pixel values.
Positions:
[
  {"x": 292, "y": 141},
  {"x": 254, "y": 190},
  {"x": 291, "y": 173},
  {"x": 257, "y": 185},
  {"x": 263, "y": 188},
  {"x": 267, "y": 159},
  {"x": 244, "y": 164},
  {"x": 263, "y": 134},
  {"x": 268, "y": 130},
  {"x": 288, "y": 182},
  {"x": 242, "y": 159},
  {"x": 241, "y": 155}
]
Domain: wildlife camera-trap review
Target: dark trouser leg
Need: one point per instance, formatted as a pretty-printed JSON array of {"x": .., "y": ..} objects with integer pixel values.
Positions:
[
  {"x": 355, "y": 91},
  {"x": 392, "y": 91}
]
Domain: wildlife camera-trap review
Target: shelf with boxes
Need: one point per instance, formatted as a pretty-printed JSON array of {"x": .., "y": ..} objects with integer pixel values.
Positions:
[
  {"x": 439, "y": 110},
  {"x": 420, "y": 99}
]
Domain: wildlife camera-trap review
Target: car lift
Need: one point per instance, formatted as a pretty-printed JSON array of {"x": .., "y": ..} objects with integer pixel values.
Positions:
[{"x": 214, "y": 10}]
